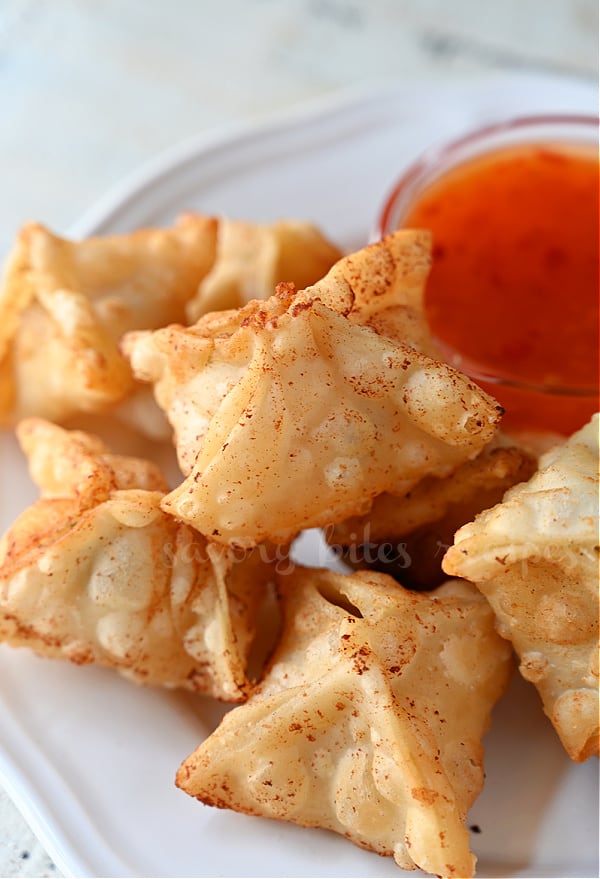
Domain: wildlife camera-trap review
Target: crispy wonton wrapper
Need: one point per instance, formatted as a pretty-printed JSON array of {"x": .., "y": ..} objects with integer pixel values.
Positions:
[
  {"x": 382, "y": 287},
  {"x": 252, "y": 258},
  {"x": 68, "y": 303},
  {"x": 96, "y": 572},
  {"x": 411, "y": 532},
  {"x": 535, "y": 558},
  {"x": 369, "y": 719},
  {"x": 288, "y": 414}
]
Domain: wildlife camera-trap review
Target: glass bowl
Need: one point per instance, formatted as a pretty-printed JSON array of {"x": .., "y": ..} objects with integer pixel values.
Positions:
[{"x": 530, "y": 404}]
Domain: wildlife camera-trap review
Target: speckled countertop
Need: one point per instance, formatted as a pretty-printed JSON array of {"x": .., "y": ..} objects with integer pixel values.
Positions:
[{"x": 89, "y": 91}]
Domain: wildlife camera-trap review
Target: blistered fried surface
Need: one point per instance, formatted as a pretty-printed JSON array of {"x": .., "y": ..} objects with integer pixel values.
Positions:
[
  {"x": 252, "y": 258},
  {"x": 382, "y": 286},
  {"x": 535, "y": 557},
  {"x": 368, "y": 721},
  {"x": 96, "y": 572},
  {"x": 289, "y": 415},
  {"x": 474, "y": 485},
  {"x": 67, "y": 304}
]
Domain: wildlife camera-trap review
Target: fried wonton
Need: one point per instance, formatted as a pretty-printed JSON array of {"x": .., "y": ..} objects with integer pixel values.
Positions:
[
  {"x": 535, "y": 558},
  {"x": 252, "y": 258},
  {"x": 64, "y": 306},
  {"x": 382, "y": 286},
  {"x": 407, "y": 535},
  {"x": 287, "y": 415},
  {"x": 96, "y": 572},
  {"x": 369, "y": 719}
]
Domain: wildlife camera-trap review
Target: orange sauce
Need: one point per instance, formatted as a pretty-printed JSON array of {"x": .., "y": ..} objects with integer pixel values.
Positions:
[{"x": 513, "y": 290}]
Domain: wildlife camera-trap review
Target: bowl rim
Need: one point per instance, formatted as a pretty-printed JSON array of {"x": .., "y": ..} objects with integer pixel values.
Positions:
[{"x": 435, "y": 154}]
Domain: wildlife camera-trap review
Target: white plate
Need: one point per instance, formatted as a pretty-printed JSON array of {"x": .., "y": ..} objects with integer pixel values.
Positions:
[{"x": 89, "y": 758}]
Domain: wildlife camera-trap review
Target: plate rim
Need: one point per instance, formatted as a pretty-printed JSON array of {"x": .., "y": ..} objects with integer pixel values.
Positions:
[{"x": 347, "y": 100}]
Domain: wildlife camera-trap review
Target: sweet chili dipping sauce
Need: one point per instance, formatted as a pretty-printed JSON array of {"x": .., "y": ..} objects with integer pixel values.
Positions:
[{"x": 513, "y": 292}]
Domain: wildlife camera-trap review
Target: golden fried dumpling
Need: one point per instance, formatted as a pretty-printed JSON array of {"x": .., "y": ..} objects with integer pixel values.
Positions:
[
  {"x": 287, "y": 415},
  {"x": 369, "y": 719},
  {"x": 96, "y": 572},
  {"x": 535, "y": 558},
  {"x": 407, "y": 535},
  {"x": 252, "y": 258},
  {"x": 382, "y": 286},
  {"x": 493, "y": 471},
  {"x": 64, "y": 306}
]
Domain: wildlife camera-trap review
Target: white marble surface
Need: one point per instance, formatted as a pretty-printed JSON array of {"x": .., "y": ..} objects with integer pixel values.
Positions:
[{"x": 90, "y": 90}]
